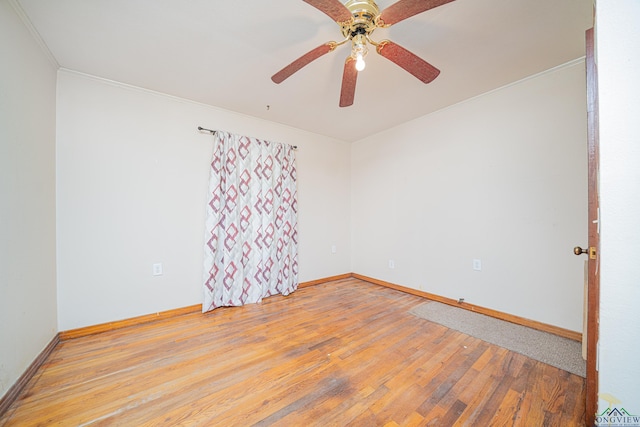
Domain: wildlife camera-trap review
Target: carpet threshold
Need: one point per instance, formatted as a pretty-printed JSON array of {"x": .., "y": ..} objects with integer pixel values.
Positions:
[{"x": 563, "y": 353}]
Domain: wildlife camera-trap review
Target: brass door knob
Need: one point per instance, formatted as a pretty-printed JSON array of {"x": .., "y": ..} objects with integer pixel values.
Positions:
[{"x": 579, "y": 251}]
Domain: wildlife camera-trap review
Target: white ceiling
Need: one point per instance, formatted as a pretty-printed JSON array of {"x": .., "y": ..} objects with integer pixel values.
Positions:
[{"x": 223, "y": 53}]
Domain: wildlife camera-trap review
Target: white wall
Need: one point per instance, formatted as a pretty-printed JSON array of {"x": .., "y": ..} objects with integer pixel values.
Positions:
[
  {"x": 132, "y": 184},
  {"x": 500, "y": 178},
  {"x": 618, "y": 57},
  {"x": 27, "y": 201}
]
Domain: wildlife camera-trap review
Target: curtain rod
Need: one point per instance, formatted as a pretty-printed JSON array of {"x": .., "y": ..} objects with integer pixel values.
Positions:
[{"x": 213, "y": 132}]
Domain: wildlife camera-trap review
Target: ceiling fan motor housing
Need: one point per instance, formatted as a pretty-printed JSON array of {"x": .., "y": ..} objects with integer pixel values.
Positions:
[
  {"x": 368, "y": 9},
  {"x": 364, "y": 13}
]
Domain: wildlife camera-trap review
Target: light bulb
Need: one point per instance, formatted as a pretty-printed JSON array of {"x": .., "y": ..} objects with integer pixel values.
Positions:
[{"x": 360, "y": 62}]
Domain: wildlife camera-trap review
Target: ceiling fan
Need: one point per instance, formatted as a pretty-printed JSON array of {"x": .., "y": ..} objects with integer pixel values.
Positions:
[{"x": 357, "y": 20}]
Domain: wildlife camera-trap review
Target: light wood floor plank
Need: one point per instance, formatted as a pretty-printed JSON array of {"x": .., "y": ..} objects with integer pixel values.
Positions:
[{"x": 343, "y": 353}]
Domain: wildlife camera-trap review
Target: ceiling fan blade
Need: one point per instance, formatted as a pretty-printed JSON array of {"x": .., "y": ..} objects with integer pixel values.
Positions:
[
  {"x": 349, "y": 77},
  {"x": 415, "y": 65},
  {"x": 305, "y": 59},
  {"x": 333, "y": 8},
  {"x": 403, "y": 9}
]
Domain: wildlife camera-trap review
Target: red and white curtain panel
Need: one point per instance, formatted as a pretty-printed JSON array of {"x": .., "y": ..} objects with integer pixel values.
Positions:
[{"x": 251, "y": 242}]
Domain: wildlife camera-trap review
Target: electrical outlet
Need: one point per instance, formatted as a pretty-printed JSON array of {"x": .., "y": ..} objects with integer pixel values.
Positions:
[
  {"x": 334, "y": 249},
  {"x": 477, "y": 265},
  {"x": 157, "y": 269},
  {"x": 392, "y": 264}
]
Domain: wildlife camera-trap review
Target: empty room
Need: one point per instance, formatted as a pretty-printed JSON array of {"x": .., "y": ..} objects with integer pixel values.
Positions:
[{"x": 319, "y": 212}]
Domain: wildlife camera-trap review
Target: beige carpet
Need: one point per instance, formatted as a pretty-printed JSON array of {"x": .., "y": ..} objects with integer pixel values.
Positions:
[{"x": 556, "y": 351}]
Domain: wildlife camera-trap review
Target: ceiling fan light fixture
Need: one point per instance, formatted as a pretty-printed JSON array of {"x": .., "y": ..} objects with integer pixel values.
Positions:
[{"x": 359, "y": 50}]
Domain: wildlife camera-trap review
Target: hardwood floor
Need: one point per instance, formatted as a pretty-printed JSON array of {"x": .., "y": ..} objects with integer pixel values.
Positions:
[{"x": 342, "y": 353}]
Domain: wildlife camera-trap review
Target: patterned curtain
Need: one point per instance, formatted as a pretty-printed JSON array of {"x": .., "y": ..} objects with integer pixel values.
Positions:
[{"x": 251, "y": 248}]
